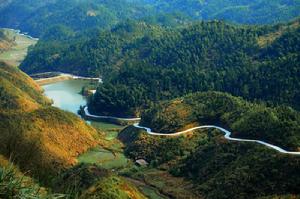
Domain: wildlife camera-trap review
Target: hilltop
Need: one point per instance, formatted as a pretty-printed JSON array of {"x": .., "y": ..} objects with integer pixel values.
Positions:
[{"x": 210, "y": 164}]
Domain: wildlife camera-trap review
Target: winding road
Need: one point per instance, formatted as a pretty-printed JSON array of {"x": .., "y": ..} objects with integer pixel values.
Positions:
[{"x": 226, "y": 132}]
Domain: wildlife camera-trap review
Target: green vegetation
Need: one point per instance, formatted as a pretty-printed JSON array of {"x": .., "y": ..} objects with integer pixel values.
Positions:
[
  {"x": 14, "y": 185},
  {"x": 244, "y": 11},
  {"x": 45, "y": 142},
  {"x": 104, "y": 158},
  {"x": 90, "y": 181},
  {"x": 213, "y": 167},
  {"x": 143, "y": 63},
  {"x": 217, "y": 168},
  {"x": 202, "y": 57},
  {"x": 37, "y": 15},
  {"x": 157, "y": 62},
  {"x": 279, "y": 125}
]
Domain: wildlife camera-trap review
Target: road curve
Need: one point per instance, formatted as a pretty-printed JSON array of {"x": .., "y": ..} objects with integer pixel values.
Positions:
[
  {"x": 226, "y": 132},
  {"x": 87, "y": 113}
]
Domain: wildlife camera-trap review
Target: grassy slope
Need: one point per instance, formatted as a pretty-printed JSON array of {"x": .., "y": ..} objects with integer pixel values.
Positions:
[
  {"x": 13, "y": 47},
  {"x": 39, "y": 138},
  {"x": 44, "y": 142},
  {"x": 14, "y": 184},
  {"x": 5, "y": 42}
]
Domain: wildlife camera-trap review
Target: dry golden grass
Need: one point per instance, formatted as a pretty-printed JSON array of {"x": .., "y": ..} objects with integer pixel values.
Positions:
[
  {"x": 39, "y": 138},
  {"x": 131, "y": 191}
]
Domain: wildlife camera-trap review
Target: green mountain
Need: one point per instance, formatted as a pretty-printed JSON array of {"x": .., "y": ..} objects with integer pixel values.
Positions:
[
  {"x": 252, "y": 62},
  {"x": 279, "y": 125},
  {"x": 214, "y": 166},
  {"x": 36, "y": 16},
  {"x": 243, "y": 11},
  {"x": 142, "y": 63}
]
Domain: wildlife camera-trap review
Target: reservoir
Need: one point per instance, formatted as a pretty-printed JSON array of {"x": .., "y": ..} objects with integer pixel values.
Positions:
[{"x": 66, "y": 94}]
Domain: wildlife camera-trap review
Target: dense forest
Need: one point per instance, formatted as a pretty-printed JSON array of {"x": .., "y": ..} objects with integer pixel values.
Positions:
[
  {"x": 244, "y": 11},
  {"x": 278, "y": 125},
  {"x": 176, "y": 64},
  {"x": 253, "y": 62},
  {"x": 216, "y": 168},
  {"x": 37, "y": 15}
]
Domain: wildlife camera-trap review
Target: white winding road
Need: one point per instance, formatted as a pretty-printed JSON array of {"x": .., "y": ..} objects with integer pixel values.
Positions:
[{"x": 226, "y": 132}]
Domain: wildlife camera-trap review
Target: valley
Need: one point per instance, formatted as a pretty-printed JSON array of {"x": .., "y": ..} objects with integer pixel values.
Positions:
[
  {"x": 149, "y": 99},
  {"x": 109, "y": 154}
]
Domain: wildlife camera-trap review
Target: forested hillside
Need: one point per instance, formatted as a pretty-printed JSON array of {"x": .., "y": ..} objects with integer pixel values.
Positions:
[
  {"x": 279, "y": 125},
  {"x": 217, "y": 168},
  {"x": 142, "y": 63},
  {"x": 243, "y": 11},
  {"x": 37, "y": 15},
  {"x": 255, "y": 63},
  {"x": 176, "y": 64}
]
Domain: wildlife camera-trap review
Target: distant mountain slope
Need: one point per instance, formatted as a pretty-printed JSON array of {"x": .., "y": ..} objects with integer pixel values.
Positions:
[
  {"x": 36, "y": 16},
  {"x": 40, "y": 139},
  {"x": 242, "y": 11},
  {"x": 144, "y": 63}
]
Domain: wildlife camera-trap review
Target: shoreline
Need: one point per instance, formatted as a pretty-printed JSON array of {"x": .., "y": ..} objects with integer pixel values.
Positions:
[
  {"x": 61, "y": 77},
  {"x": 19, "y": 32}
]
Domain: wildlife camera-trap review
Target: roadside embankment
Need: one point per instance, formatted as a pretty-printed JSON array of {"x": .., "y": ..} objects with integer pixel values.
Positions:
[{"x": 116, "y": 120}]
